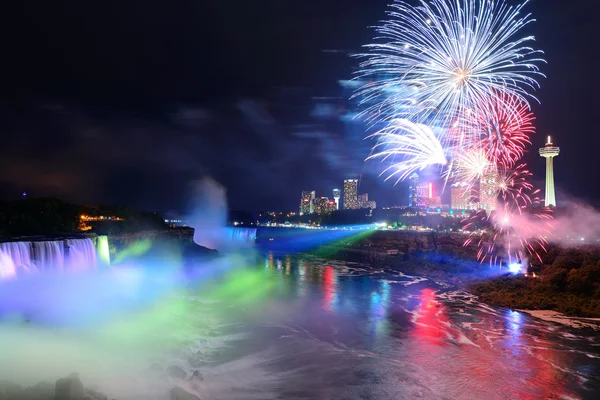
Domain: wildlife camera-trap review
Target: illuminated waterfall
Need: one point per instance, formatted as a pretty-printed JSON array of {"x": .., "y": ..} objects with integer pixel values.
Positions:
[
  {"x": 17, "y": 258},
  {"x": 102, "y": 250},
  {"x": 240, "y": 235}
]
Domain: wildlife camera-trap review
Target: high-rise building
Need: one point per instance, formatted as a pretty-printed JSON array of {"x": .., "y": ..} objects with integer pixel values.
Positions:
[
  {"x": 321, "y": 205},
  {"x": 312, "y": 201},
  {"x": 305, "y": 203},
  {"x": 424, "y": 193},
  {"x": 336, "y": 198},
  {"x": 460, "y": 196},
  {"x": 488, "y": 190},
  {"x": 549, "y": 151},
  {"x": 412, "y": 190},
  {"x": 351, "y": 194},
  {"x": 362, "y": 199}
]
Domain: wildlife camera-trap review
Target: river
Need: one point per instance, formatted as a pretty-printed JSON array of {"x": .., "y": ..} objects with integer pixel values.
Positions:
[
  {"x": 300, "y": 327},
  {"x": 333, "y": 330}
]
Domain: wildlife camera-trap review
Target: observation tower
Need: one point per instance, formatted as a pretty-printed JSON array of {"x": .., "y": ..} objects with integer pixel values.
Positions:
[
  {"x": 549, "y": 151},
  {"x": 336, "y": 198}
]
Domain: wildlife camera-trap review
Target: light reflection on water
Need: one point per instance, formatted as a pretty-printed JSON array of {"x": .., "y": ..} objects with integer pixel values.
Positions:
[{"x": 374, "y": 335}]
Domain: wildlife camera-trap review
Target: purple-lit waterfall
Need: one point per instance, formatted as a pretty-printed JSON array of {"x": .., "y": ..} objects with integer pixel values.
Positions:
[{"x": 17, "y": 258}]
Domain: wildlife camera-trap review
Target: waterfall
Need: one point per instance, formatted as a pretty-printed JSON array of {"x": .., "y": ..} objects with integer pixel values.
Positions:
[
  {"x": 17, "y": 258},
  {"x": 243, "y": 235},
  {"x": 49, "y": 255},
  {"x": 7, "y": 267},
  {"x": 82, "y": 254},
  {"x": 14, "y": 256}
]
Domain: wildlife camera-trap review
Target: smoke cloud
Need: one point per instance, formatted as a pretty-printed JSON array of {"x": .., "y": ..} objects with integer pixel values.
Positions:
[{"x": 575, "y": 224}]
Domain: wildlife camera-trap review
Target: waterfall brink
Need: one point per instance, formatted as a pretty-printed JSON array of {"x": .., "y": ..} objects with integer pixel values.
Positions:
[{"x": 17, "y": 258}]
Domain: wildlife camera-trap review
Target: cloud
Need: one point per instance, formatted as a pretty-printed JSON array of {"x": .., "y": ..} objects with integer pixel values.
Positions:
[{"x": 262, "y": 155}]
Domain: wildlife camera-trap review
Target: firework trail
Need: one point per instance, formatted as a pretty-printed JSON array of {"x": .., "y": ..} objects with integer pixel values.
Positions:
[{"x": 415, "y": 145}]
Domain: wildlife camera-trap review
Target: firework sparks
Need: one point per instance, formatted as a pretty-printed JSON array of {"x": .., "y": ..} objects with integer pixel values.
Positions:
[
  {"x": 416, "y": 146},
  {"x": 513, "y": 185}
]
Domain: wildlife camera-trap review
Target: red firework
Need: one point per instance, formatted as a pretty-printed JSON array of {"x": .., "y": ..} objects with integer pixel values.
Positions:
[{"x": 504, "y": 128}]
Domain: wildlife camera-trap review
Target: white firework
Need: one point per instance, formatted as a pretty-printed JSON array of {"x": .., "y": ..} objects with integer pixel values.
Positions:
[
  {"x": 472, "y": 165},
  {"x": 443, "y": 57},
  {"x": 415, "y": 145}
]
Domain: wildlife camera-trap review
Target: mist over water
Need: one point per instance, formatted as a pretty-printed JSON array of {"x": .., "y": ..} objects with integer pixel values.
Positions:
[
  {"x": 578, "y": 222},
  {"x": 208, "y": 212}
]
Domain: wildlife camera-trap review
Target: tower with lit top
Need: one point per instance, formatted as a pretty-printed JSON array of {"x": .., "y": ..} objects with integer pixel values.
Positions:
[
  {"x": 549, "y": 151},
  {"x": 336, "y": 198}
]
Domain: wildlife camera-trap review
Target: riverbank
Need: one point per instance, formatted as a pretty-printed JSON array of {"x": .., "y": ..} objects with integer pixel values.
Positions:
[
  {"x": 559, "y": 318},
  {"x": 568, "y": 285}
]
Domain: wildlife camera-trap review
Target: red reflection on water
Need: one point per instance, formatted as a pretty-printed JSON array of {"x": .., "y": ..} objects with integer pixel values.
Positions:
[
  {"x": 497, "y": 357},
  {"x": 430, "y": 318},
  {"x": 329, "y": 288}
]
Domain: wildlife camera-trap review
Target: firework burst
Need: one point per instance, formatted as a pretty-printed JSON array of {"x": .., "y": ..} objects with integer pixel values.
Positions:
[
  {"x": 471, "y": 166},
  {"x": 442, "y": 57},
  {"x": 410, "y": 147},
  {"x": 504, "y": 128},
  {"x": 460, "y": 68}
]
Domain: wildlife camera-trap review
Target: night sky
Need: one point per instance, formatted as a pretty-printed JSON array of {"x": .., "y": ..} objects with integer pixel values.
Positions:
[{"x": 128, "y": 101}]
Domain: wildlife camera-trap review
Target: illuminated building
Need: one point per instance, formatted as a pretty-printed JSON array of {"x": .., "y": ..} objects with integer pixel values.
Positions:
[
  {"x": 351, "y": 194},
  {"x": 83, "y": 219},
  {"x": 488, "y": 190},
  {"x": 460, "y": 196},
  {"x": 424, "y": 193},
  {"x": 321, "y": 205},
  {"x": 412, "y": 190},
  {"x": 549, "y": 151},
  {"x": 332, "y": 206},
  {"x": 306, "y": 201},
  {"x": 362, "y": 199},
  {"x": 336, "y": 198},
  {"x": 312, "y": 201},
  {"x": 435, "y": 202}
]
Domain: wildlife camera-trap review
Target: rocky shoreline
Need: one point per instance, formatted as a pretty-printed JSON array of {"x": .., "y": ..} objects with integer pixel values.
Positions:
[{"x": 178, "y": 385}]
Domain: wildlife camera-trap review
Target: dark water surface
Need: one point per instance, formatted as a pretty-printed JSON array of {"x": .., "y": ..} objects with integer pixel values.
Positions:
[{"x": 333, "y": 330}]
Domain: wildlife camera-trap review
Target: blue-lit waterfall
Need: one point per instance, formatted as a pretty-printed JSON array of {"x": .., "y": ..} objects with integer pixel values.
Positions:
[{"x": 243, "y": 235}]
